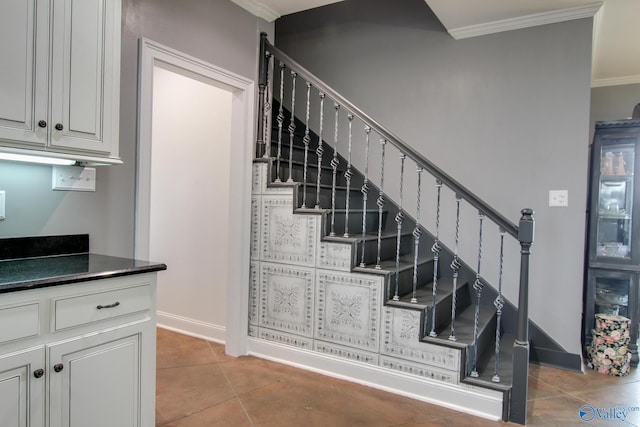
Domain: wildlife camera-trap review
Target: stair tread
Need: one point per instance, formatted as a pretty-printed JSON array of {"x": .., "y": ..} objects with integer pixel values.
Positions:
[
  {"x": 389, "y": 265},
  {"x": 464, "y": 326},
  {"x": 343, "y": 211},
  {"x": 311, "y": 186},
  {"x": 486, "y": 367},
  {"x": 424, "y": 295},
  {"x": 369, "y": 237},
  {"x": 285, "y": 161}
]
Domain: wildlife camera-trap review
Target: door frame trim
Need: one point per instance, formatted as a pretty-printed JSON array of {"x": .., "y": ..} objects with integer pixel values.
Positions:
[{"x": 241, "y": 158}]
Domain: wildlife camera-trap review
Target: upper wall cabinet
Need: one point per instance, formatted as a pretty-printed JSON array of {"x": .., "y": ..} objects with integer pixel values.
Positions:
[{"x": 60, "y": 77}]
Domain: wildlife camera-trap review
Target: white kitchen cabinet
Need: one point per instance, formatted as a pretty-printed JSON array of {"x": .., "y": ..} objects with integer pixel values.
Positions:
[
  {"x": 95, "y": 346},
  {"x": 96, "y": 380},
  {"x": 22, "y": 388},
  {"x": 60, "y": 77}
]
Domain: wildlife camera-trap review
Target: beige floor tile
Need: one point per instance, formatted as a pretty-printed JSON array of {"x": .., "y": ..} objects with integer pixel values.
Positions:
[
  {"x": 226, "y": 414},
  {"x": 198, "y": 385},
  {"x": 174, "y": 350},
  {"x": 186, "y": 390}
]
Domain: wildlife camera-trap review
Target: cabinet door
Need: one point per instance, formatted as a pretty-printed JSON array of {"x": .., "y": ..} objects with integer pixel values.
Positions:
[
  {"x": 22, "y": 392},
  {"x": 85, "y": 74},
  {"x": 23, "y": 71},
  {"x": 95, "y": 380},
  {"x": 615, "y": 201}
]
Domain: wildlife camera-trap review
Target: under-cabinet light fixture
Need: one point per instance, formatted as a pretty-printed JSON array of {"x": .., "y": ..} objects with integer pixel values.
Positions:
[{"x": 36, "y": 159}]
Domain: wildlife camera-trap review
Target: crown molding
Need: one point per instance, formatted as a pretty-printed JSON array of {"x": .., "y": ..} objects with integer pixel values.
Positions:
[
  {"x": 616, "y": 81},
  {"x": 258, "y": 9},
  {"x": 536, "y": 19}
]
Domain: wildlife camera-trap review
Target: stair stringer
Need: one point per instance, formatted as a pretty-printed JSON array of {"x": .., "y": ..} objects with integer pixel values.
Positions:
[{"x": 307, "y": 308}]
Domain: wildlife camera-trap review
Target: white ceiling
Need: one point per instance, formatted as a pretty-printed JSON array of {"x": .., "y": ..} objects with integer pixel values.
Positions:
[{"x": 616, "y": 43}]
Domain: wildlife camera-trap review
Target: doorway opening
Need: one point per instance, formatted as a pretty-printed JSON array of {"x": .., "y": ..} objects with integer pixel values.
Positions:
[{"x": 194, "y": 153}]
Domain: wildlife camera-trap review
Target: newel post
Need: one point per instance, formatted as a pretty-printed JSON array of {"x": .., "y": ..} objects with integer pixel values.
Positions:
[
  {"x": 262, "y": 84},
  {"x": 518, "y": 407}
]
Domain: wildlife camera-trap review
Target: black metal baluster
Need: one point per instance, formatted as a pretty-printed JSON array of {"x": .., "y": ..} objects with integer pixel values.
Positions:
[
  {"x": 306, "y": 140},
  {"x": 348, "y": 175},
  {"x": 334, "y": 165},
  {"x": 380, "y": 203},
  {"x": 499, "y": 305},
  {"x": 436, "y": 248},
  {"x": 455, "y": 267},
  {"x": 478, "y": 285},
  {"x": 399, "y": 219},
  {"x": 365, "y": 192},
  {"x": 280, "y": 120},
  {"x": 292, "y": 123},
  {"x": 417, "y": 232},
  {"x": 320, "y": 150},
  {"x": 267, "y": 109}
]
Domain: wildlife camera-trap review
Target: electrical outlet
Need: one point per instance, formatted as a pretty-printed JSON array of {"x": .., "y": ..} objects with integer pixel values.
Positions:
[
  {"x": 558, "y": 198},
  {"x": 73, "y": 178}
]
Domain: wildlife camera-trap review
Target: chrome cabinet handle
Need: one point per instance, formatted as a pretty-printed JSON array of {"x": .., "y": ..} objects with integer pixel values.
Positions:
[{"x": 115, "y": 304}]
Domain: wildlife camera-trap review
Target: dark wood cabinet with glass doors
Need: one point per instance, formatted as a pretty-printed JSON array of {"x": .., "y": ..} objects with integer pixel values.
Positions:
[{"x": 613, "y": 239}]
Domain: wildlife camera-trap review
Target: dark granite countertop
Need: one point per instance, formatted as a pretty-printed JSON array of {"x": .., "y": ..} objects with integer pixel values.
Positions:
[
  {"x": 31, "y": 273},
  {"x": 48, "y": 268}
]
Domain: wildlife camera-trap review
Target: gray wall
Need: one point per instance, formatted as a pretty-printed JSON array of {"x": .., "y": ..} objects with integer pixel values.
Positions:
[
  {"x": 613, "y": 103},
  {"x": 506, "y": 114},
  {"x": 216, "y": 31}
]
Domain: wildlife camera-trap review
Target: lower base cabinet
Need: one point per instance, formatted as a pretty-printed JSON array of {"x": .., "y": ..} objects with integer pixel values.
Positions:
[
  {"x": 87, "y": 366},
  {"x": 22, "y": 387}
]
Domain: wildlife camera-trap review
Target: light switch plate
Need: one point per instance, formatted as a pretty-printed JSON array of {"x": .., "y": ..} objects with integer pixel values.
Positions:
[
  {"x": 73, "y": 178},
  {"x": 2, "y": 196},
  {"x": 558, "y": 198}
]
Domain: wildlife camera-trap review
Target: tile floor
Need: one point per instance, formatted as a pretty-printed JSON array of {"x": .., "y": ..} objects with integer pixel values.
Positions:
[{"x": 199, "y": 386}]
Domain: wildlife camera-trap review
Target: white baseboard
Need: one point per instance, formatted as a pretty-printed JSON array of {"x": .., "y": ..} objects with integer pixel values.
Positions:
[
  {"x": 191, "y": 327},
  {"x": 475, "y": 401}
]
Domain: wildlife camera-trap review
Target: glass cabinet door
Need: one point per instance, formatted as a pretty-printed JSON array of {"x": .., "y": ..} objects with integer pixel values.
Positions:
[
  {"x": 612, "y": 295},
  {"x": 615, "y": 201}
]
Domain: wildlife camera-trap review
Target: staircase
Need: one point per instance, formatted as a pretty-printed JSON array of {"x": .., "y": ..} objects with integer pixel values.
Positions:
[{"x": 339, "y": 269}]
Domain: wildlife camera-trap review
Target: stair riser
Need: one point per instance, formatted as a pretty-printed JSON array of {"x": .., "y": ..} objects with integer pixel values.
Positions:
[
  {"x": 387, "y": 249},
  {"x": 298, "y": 153},
  {"x": 486, "y": 342},
  {"x": 443, "y": 310},
  {"x": 355, "y": 198},
  {"x": 405, "y": 279},
  {"x": 326, "y": 175},
  {"x": 355, "y": 223}
]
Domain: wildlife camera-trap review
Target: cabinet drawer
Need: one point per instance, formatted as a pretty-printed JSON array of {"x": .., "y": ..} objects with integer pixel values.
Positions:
[
  {"x": 19, "y": 321},
  {"x": 88, "y": 308}
]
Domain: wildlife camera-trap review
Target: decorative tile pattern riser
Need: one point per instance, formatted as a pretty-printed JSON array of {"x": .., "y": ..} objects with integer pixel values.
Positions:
[
  {"x": 284, "y": 338},
  {"x": 259, "y": 173},
  {"x": 256, "y": 203},
  {"x": 336, "y": 256},
  {"x": 287, "y": 238},
  {"x": 401, "y": 339},
  {"x": 286, "y": 298},
  {"x": 346, "y": 352},
  {"x": 260, "y": 181},
  {"x": 420, "y": 370},
  {"x": 348, "y": 309},
  {"x": 254, "y": 293},
  {"x": 253, "y": 331}
]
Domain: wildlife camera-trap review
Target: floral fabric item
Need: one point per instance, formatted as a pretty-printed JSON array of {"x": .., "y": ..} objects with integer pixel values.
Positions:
[{"x": 608, "y": 353}]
